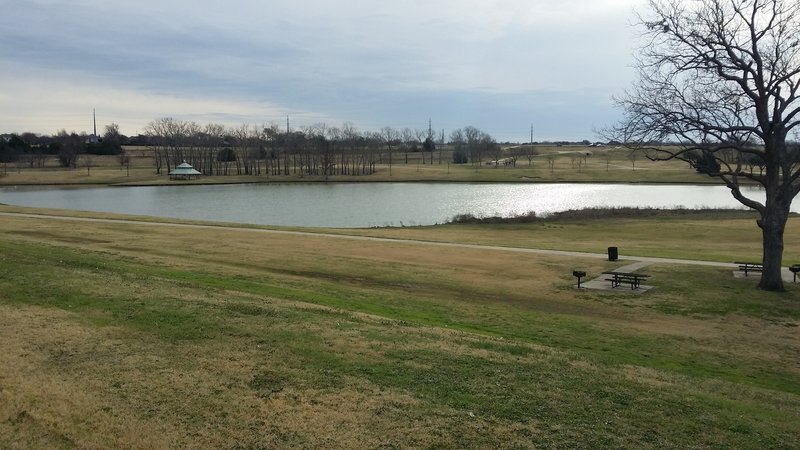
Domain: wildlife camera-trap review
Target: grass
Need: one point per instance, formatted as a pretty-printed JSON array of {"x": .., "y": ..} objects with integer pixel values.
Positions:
[
  {"x": 134, "y": 335},
  {"x": 724, "y": 236}
]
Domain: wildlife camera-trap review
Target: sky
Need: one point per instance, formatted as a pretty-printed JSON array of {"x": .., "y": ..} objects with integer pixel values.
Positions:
[{"x": 503, "y": 66}]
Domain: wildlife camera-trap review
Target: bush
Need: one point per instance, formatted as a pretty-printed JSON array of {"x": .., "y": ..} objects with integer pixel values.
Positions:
[
  {"x": 591, "y": 214},
  {"x": 459, "y": 157},
  {"x": 226, "y": 155}
]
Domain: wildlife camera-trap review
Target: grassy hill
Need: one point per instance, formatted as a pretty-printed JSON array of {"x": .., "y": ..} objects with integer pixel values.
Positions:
[{"x": 119, "y": 334}]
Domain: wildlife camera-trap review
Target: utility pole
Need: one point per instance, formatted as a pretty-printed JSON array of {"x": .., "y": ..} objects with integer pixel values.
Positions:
[
  {"x": 531, "y": 134},
  {"x": 287, "y": 124},
  {"x": 94, "y": 117},
  {"x": 441, "y": 144}
]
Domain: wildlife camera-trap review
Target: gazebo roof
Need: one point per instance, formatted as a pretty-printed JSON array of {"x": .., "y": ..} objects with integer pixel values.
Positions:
[{"x": 184, "y": 169}]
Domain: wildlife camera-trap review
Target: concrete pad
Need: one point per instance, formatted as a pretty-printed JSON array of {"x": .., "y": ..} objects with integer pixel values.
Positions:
[
  {"x": 740, "y": 274},
  {"x": 601, "y": 284},
  {"x": 633, "y": 267},
  {"x": 786, "y": 274}
]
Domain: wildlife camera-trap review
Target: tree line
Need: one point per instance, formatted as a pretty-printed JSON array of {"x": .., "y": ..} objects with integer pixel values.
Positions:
[
  {"x": 33, "y": 150},
  {"x": 318, "y": 150},
  {"x": 216, "y": 149}
]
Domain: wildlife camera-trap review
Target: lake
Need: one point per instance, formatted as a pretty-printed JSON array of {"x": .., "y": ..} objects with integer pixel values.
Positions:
[{"x": 360, "y": 205}]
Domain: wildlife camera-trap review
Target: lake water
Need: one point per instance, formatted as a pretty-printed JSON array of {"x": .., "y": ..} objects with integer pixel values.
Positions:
[{"x": 359, "y": 205}]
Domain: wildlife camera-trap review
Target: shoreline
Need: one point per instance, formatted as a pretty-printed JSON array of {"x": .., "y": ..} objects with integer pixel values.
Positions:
[{"x": 314, "y": 181}]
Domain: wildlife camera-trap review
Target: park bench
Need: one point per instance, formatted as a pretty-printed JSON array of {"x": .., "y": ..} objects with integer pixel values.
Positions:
[
  {"x": 747, "y": 267},
  {"x": 617, "y": 278}
]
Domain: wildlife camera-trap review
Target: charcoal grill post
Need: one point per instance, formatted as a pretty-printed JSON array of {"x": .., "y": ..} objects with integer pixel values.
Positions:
[
  {"x": 794, "y": 269},
  {"x": 578, "y": 274}
]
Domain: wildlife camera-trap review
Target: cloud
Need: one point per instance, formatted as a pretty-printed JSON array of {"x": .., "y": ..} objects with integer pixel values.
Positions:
[
  {"x": 361, "y": 61},
  {"x": 48, "y": 102}
]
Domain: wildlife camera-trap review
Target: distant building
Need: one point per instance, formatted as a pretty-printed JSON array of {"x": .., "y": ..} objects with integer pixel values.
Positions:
[{"x": 184, "y": 172}]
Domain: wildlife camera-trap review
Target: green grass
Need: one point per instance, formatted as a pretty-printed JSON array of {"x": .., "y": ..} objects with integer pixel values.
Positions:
[
  {"x": 175, "y": 319},
  {"x": 225, "y": 353}
]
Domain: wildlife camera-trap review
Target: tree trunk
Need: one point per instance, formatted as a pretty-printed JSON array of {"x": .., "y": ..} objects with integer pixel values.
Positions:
[{"x": 772, "y": 226}]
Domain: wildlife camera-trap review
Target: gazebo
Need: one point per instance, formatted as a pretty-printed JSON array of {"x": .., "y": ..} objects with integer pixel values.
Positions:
[{"x": 184, "y": 172}]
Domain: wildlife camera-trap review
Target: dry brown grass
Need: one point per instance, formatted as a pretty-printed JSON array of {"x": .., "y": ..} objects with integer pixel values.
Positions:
[
  {"x": 290, "y": 372},
  {"x": 69, "y": 384}
]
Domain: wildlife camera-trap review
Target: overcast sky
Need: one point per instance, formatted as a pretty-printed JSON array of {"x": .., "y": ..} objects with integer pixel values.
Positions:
[{"x": 499, "y": 65}]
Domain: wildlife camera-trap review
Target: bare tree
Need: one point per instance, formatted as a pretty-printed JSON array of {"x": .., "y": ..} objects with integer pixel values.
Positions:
[
  {"x": 493, "y": 149},
  {"x": 459, "y": 142},
  {"x": 551, "y": 161},
  {"x": 530, "y": 152},
  {"x": 389, "y": 136},
  {"x": 473, "y": 138},
  {"x": 419, "y": 139},
  {"x": 722, "y": 76},
  {"x": 241, "y": 136},
  {"x": 406, "y": 139},
  {"x": 88, "y": 162},
  {"x": 124, "y": 161},
  {"x": 212, "y": 139}
]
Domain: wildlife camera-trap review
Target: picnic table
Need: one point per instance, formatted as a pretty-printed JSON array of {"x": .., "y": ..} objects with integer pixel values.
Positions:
[
  {"x": 749, "y": 267},
  {"x": 617, "y": 278}
]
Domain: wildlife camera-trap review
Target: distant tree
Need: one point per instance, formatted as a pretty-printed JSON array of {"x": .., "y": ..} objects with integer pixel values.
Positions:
[
  {"x": 632, "y": 156},
  {"x": 752, "y": 161},
  {"x": 70, "y": 147},
  {"x": 226, "y": 154},
  {"x": 113, "y": 139},
  {"x": 429, "y": 146},
  {"x": 389, "y": 136},
  {"x": 407, "y": 140},
  {"x": 109, "y": 144},
  {"x": 11, "y": 150},
  {"x": 492, "y": 148},
  {"x": 124, "y": 161},
  {"x": 473, "y": 137},
  {"x": 704, "y": 162},
  {"x": 551, "y": 161},
  {"x": 530, "y": 152},
  {"x": 419, "y": 140},
  {"x": 459, "y": 142},
  {"x": 156, "y": 132},
  {"x": 88, "y": 162}
]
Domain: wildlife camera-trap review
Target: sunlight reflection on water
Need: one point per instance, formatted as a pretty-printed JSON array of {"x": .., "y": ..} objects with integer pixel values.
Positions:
[{"x": 357, "y": 205}]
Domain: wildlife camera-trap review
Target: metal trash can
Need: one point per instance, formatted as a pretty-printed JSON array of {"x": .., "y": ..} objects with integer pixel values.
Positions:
[{"x": 613, "y": 253}]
